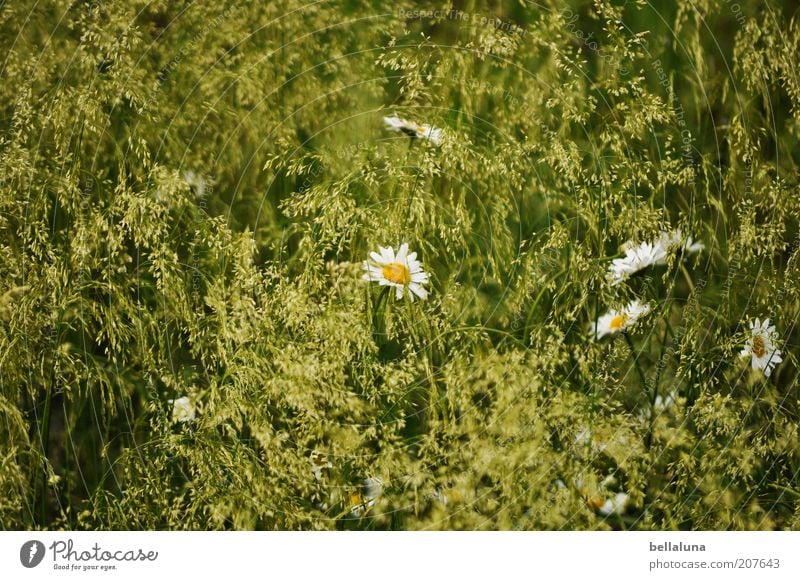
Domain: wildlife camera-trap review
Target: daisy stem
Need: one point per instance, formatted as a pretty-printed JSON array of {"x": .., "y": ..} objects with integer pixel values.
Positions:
[
  {"x": 594, "y": 335},
  {"x": 635, "y": 358},
  {"x": 501, "y": 332},
  {"x": 44, "y": 433},
  {"x": 688, "y": 278},
  {"x": 407, "y": 210},
  {"x": 379, "y": 314},
  {"x": 424, "y": 341},
  {"x": 596, "y": 311},
  {"x": 654, "y": 391},
  {"x": 532, "y": 309}
]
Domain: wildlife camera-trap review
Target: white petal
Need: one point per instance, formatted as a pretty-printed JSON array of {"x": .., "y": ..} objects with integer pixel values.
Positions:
[
  {"x": 607, "y": 508},
  {"x": 401, "y": 254},
  {"x": 435, "y": 135},
  {"x": 376, "y": 257},
  {"x": 393, "y": 123},
  {"x": 387, "y": 254},
  {"x": 419, "y": 276},
  {"x": 418, "y": 290}
]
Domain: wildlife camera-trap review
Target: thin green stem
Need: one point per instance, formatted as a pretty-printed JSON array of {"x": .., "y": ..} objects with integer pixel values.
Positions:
[
  {"x": 45, "y": 435},
  {"x": 533, "y": 306},
  {"x": 378, "y": 314},
  {"x": 635, "y": 358},
  {"x": 653, "y": 394},
  {"x": 407, "y": 210},
  {"x": 687, "y": 277},
  {"x": 504, "y": 333}
]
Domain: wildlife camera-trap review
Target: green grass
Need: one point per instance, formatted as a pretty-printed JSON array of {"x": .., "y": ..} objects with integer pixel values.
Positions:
[{"x": 569, "y": 129}]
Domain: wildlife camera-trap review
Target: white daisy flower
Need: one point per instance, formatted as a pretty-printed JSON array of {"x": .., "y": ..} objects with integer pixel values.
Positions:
[
  {"x": 440, "y": 496},
  {"x": 361, "y": 501},
  {"x": 641, "y": 256},
  {"x": 672, "y": 241},
  {"x": 636, "y": 258},
  {"x": 620, "y": 320},
  {"x": 668, "y": 242},
  {"x": 583, "y": 438},
  {"x": 413, "y": 130},
  {"x": 319, "y": 462},
  {"x": 692, "y": 247},
  {"x": 598, "y": 499},
  {"x": 182, "y": 410},
  {"x": 616, "y": 505},
  {"x": 661, "y": 405},
  {"x": 761, "y": 347},
  {"x": 402, "y": 271},
  {"x": 197, "y": 182}
]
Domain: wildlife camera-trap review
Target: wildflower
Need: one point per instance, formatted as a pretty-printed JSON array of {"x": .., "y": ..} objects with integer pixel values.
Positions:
[
  {"x": 182, "y": 410},
  {"x": 598, "y": 500},
  {"x": 364, "y": 499},
  {"x": 413, "y": 130},
  {"x": 197, "y": 182},
  {"x": 595, "y": 502},
  {"x": 615, "y": 506},
  {"x": 661, "y": 405},
  {"x": 692, "y": 247},
  {"x": 440, "y": 496},
  {"x": 583, "y": 438},
  {"x": 402, "y": 271},
  {"x": 673, "y": 240},
  {"x": 319, "y": 462},
  {"x": 761, "y": 346},
  {"x": 620, "y": 320},
  {"x": 636, "y": 259}
]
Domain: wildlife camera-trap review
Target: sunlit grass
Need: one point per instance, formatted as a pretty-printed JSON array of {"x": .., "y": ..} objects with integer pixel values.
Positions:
[{"x": 190, "y": 194}]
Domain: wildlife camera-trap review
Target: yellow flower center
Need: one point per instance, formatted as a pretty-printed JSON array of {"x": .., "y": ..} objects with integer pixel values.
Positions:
[
  {"x": 759, "y": 348},
  {"x": 595, "y": 502},
  {"x": 618, "y": 322},
  {"x": 355, "y": 499},
  {"x": 397, "y": 273}
]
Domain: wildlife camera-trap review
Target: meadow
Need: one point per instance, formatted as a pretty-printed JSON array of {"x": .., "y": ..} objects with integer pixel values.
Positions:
[{"x": 357, "y": 264}]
